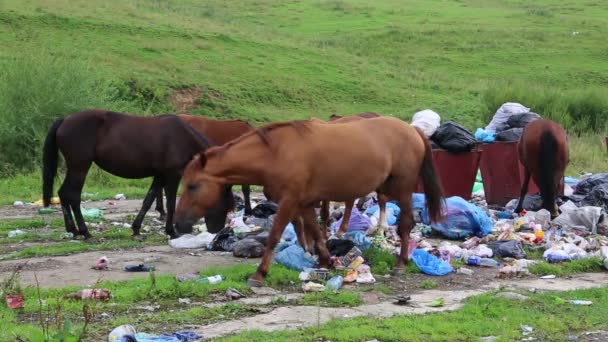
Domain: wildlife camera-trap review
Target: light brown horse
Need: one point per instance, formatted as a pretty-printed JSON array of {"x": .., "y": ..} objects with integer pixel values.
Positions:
[
  {"x": 218, "y": 132},
  {"x": 304, "y": 162},
  {"x": 543, "y": 151}
]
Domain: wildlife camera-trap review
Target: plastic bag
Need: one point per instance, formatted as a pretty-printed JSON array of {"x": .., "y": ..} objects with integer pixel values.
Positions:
[
  {"x": 289, "y": 234},
  {"x": 583, "y": 220},
  {"x": 511, "y": 134},
  {"x": 294, "y": 257},
  {"x": 361, "y": 241},
  {"x": 430, "y": 264},
  {"x": 463, "y": 219},
  {"x": 248, "y": 248},
  {"x": 508, "y": 249},
  {"x": 522, "y": 120},
  {"x": 597, "y": 197},
  {"x": 427, "y": 120},
  {"x": 265, "y": 209},
  {"x": 503, "y": 113},
  {"x": 339, "y": 247},
  {"x": 201, "y": 240},
  {"x": 452, "y": 250},
  {"x": 392, "y": 212},
  {"x": 357, "y": 222},
  {"x": 454, "y": 138},
  {"x": 224, "y": 240},
  {"x": 484, "y": 136},
  {"x": 482, "y": 251},
  {"x": 587, "y": 184}
]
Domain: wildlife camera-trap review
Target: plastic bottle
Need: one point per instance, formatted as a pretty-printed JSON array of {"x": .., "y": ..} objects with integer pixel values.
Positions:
[
  {"x": 486, "y": 262},
  {"x": 334, "y": 283},
  {"x": 212, "y": 280},
  {"x": 47, "y": 211}
]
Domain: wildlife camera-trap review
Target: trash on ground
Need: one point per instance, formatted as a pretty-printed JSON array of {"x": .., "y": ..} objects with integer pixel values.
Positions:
[
  {"x": 15, "y": 233},
  {"x": 233, "y": 294},
  {"x": 314, "y": 274},
  {"x": 102, "y": 264},
  {"x": 507, "y": 249},
  {"x": 190, "y": 241},
  {"x": 486, "y": 262},
  {"x": 91, "y": 214},
  {"x": 294, "y": 257},
  {"x": 120, "y": 197},
  {"x": 429, "y": 264},
  {"x": 117, "y": 334},
  {"x": 437, "y": 303},
  {"x": 45, "y": 211},
  {"x": 549, "y": 276},
  {"x": 216, "y": 279},
  {"x": 365, "y": 278},
  {"x": 18, "y": 203},
  {"x": 334, "y": 283},
  {"x": 248, "y": 248},
  {"x": 90, "y": 294},
  {"x": 182, "y": 336},
  {"x": 139, "y": 268},
  {"x": 186, "y": 301},
  {"x": 581, "y": 302},
  {"x": 465, "y": 271},
  {"x": 462, "y": 220},
  {"x": 403, "y": 300},
  {"x": 14, "y": 301},
  {"x": 526, "y": 329},
  {"x": 358, "y": 222},
  {"x": 313, "y": 287}
]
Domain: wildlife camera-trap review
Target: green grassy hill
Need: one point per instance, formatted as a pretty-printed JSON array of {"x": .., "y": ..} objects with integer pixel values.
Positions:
[{"x": 269, "y": 60}]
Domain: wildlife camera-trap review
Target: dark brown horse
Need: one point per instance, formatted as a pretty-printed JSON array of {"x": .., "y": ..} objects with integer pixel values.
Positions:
[
  {"x": 219, "y": 132},
  {"x": 126, "y": 146},
  {"x": 543, "y": 151},
  {"x": 303, "y": 162}
]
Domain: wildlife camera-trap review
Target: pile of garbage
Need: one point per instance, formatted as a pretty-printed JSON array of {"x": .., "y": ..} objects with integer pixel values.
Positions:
[{"x": 507, "y": 124}]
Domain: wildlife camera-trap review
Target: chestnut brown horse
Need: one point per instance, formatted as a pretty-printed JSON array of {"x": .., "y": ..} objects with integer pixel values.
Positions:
[
  {"x": 219, "y": 132},
  {"x": 127, "y": 146},
  {"x": 543, "y": 151},
  {"x": 303, "y": 162}
]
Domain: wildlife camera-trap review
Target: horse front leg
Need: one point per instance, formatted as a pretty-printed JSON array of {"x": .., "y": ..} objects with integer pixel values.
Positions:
[
  {"x": 155, "y": 188},
  {"x": 171, "y": 185},
  {"x": 406, "y": 223},
  {"x": 287, "y": 209},
  {"x": 346, "y": 217},
  {"x": 524, "y": 191},
  {"x": 159, "y": 204},
  {"x": 247, "y": 199}
]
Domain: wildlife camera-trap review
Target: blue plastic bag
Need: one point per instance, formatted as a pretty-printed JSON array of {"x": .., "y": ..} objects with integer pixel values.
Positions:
[
  {"x": 357, "y": 222},
  {"x": 430, "y": 264},
  {"x": 294, "y": 257},
  {"x": 391, "y": 217},
  {"x": 463, "y": 219},
  {"x": 183, "y": 336},
  {"x": 289, "y": 234},
  {"x": 359, "y": 239},
  {"x": 485, "y": 136}
]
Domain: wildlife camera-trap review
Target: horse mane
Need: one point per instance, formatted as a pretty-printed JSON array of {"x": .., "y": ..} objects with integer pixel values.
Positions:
[
  {"x": 263, "y": 133},
  {"x": 194, "y": 132}
]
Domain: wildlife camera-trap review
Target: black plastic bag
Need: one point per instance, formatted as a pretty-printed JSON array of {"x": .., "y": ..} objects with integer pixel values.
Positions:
[
  {"x": 586, "y": 185},
  {"x": 522, "y": 120},
  {"x": 339, "y": 247},
  {"x": 511, "y": 134},
  {"x": 598, "y": 197},
  {"x": 224, "y": 240},
  {"x": 454, "y": 138},
  {"x": 507, "y": 249},
  {"x": 248, "y": 248},
  {"x": 265, "y": 209}
]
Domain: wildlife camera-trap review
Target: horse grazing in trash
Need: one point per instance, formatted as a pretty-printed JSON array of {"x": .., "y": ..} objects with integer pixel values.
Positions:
[
  {"x": 127, "y": 146},
  {"x": 303, "y": 162},
  {"x": 543, "y": 151}
]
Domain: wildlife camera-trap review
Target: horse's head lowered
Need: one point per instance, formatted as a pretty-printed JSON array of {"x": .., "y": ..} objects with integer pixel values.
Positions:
[{"x": 202, "y": 195}]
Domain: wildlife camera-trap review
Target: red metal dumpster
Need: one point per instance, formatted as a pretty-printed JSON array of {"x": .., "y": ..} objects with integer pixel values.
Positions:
[
  {"x": 502, "y": 173},
  {"x": 456, "y": 172}
]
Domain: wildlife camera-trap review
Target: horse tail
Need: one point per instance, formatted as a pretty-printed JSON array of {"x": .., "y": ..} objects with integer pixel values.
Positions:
[
  {"x": 547, "y": 166},
  {"x": 432, "y": 189},
  {"x": 50, "y": 156}
]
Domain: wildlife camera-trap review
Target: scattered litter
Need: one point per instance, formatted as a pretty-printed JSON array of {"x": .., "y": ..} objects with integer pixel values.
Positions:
[
  {"x": 18, "y": 203},
  {"x": 216, "y": 279},
  {"x": 526, "y": 329},
  {"x": 14, "y": 301},
  {"x": 313, "y": 287},
  {"x": 182, "y": 336},
  {"x": 139, "y": 268},
  {"x": 91, "y": 214},
  {"x": 117, "y": 334},
  {"x": 462, "y": 220},
  {"x": 334, "y": 283},
  {"x": 430, "y": 264},
  {"x": 190, "y": 241},
  {"x": 233, "y": 294},
  {"x": 486, "y": 262},
  {"x": 403, "y": 300},
  {"x": 314, "y": 274},
  {"x": 366, "y": 278},
  {"x": 294, "y": 257},
  {"x": 15, "y": 233},
  {"x": 550, "y": 276},
  {"x": 512, "y": 295},
  {"x": 102, "y": 264},
  {"x": 90, "y": 294},
  {"x": 437, "y": 303},
  {"x": 507, "y": 249},
  {"x": 120, "y": 197},
  {"x": 465, "y": 271},
  {"x": 581, "y": 302},
  {"x": 44, "y": 211},
  {"x": 248, "y": 248},
  {"x": 186, "y": 301}
]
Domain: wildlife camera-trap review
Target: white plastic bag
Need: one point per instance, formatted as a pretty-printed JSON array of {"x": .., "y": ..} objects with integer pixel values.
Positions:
[
  {"x": 201, "y": 240},
  {"x": 503, "y": 113},
  {"x": 427, "y": 120}
]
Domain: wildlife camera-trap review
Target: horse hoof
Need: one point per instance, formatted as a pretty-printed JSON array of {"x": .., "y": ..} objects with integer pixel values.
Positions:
[
  {"x": 254, "y": 282},
  {"x": 398, "y": 271},
  {"x": 162, "y": 218}
]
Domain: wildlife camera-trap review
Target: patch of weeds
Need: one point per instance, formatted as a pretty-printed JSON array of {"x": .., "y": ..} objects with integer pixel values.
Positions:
[
  {"x": 379, "y": 288},
  {"x": 593, "y": 264},
  {"x": 380, "y": 260},
  {"x": 533, "y": 253},
  {"x": 331, "y": 299},
  {"x": 428, "y": 284}
]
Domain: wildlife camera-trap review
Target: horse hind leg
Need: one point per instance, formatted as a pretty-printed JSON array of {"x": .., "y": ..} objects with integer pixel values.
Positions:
[
  {"x": 246, "y": 189},
  {"x": 524, "y": 191},
  {"x": 346, "y": 217},
  {"x": 159, "y": 204},
  {"x": 406, "y": 223},
  {"x": 311, "y": 226},
  {"x": 171, "y": 186},
  {"x": 70, "y": 193},
  {"x": 154, "y": 190}
]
